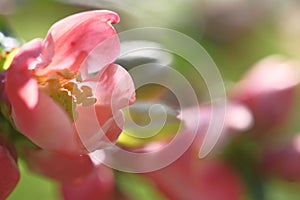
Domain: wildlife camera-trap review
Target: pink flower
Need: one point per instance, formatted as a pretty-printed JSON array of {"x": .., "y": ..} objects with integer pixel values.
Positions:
[
  {"x": 268, "y": 90},
  {"x": 9, "y": 171},
  {"x": 64, "y": 92},
  {"x": 189, "y": 177},
  {"x": 238, "y": 118}
]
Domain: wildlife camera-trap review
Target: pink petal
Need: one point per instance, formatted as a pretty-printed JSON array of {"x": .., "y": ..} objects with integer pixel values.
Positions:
[
  {"x": 64, "y": 168},
  {"x": 71, "y": 40},
  {"x": 47, "y": 125},
  {"x": 114, "y": 87},
  {"x": 189, "y": 178},
  {"x": 100, "y": 125},
  {"x": 283, "y": 161},
  {"x": 193, "y": 178},
  {"x": 34, "y": 113},
  {"x": 26, "y": 57},
  {"x": 273, "y": 73},
  {"x": 114, "y": 90},
  {"x": 268, "y": 90},
  {"x": 98, "y": 185},
  {"x": 9, "y": 173},
  {"x": 30, "y": 87},
  {"x": 97, "y": 128},
  {"x": 238, "y": 118},
  {"x": 19, "y": 81},
  {"x": 217, "y": 180}
]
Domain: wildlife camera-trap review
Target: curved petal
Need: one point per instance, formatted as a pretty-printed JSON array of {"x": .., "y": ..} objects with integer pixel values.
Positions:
[
  {"x": 35, "y": 114},
  {"x": 97, "y": 128},
  {"x": 26, "y": 57},
  {"x": 100, "y": 125},
  {"x": 64, "y": 168},
  {"x": 268, "y": 89},
  {"x": 114, "y": 87},
  {"x": 238, "y": 119},
  {"x": 9, "y": 173},
  {"x": 19, "y": 81},
  {"x": 206, "y": 179},
  {"x": 98, "y": 185},
  {"x": 71, "y": 40},
  {"x": 20, "y": 85},
  {"x": 46, "y": 124}
]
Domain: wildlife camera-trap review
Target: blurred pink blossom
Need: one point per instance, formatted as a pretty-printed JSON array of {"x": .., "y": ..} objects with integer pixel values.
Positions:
[
  {"x": 238, "y": 118},
  {"x": 189, "y": 177},
  {"x": 268, "y": 90}
]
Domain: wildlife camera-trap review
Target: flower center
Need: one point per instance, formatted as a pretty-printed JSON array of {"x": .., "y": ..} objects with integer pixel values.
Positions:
[{"x": 63, "y": 88}]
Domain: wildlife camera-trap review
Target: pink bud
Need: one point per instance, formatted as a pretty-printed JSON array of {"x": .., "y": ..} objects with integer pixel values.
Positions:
[{"x": 268, "y": 90}]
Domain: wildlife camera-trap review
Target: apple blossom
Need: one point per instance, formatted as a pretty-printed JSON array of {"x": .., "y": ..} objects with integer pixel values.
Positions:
[
  {"x": 64, "y": 92},
  {"x": 268, "y": 89},
  {"x": 192, "y": 178}
]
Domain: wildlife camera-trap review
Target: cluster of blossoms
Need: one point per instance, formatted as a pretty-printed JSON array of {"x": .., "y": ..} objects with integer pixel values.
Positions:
[
  {"x": 64, "y": 94},
  {"x": 64, "y": 97},
  {"x": 249, "y": 149}
]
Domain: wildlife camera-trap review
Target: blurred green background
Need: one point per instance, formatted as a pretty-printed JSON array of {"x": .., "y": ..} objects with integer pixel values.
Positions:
[{"x": 236, "y": 34}]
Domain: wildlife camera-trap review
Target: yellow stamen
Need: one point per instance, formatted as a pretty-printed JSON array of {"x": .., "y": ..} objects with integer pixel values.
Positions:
[{"x": 65, "y": 92}]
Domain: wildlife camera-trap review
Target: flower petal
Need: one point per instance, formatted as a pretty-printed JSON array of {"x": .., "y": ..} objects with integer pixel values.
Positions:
[
  {"x": 97, "y": 128},
  {"x": 64, "y": 168},
  {"x": 268, "y": 89},
  {"x": 71, "y": 40},
  {"x": 283, "y": 160},
  {"x": 9, "y": 172},
  {"x": 100, "y": 125},
  {"x": 114, "y": 87},
  {"x": 46, "y": 124},
  {"x": 19, "y": 81},
  {"x": 205, "y": 179},
  {"x": 35, "y": 114},
  {"x": 98, "y": 185}
]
